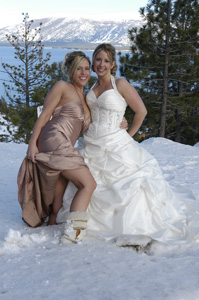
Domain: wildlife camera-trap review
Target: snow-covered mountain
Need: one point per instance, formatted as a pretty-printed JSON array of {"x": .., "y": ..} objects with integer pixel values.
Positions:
[{"x": 84, "y": 33}]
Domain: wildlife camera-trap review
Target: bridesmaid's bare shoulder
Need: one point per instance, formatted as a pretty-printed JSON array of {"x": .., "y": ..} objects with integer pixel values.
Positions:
[{"x": 62, "y": 84}]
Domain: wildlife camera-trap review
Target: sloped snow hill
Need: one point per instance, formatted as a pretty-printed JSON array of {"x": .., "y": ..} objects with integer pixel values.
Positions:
[{"x": 34, "y": 266}]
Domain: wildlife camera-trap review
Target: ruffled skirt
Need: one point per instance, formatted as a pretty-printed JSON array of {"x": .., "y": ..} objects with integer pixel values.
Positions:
[{"x": 132, "y": 196}]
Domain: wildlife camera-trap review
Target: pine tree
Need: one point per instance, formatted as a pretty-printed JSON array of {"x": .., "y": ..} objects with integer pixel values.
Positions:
[
  {"x": 29, "y": 72},
  {"x": 164, "y": 63},
  {"x": 184, "y": 71}
]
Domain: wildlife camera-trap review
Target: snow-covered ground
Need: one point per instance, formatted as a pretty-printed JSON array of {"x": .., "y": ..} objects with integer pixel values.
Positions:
[{"x": 33, "y": 265}]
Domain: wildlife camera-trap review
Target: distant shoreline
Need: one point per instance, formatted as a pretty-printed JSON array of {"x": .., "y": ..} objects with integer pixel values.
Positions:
[
  {"x": 75, "y": 47},
  {"x": 57, "y": 55}
]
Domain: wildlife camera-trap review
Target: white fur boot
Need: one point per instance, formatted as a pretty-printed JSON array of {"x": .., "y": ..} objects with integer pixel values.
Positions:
[{"x": 75, "y": 227}]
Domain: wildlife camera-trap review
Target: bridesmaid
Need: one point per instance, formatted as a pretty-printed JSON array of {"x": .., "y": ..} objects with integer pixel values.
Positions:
[{"x": 51, "y": 154}]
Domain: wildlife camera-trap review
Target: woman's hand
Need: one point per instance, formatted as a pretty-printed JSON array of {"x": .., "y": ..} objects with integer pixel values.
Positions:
[
  {"x": 32, "y": 150},
  {"x": 124, "y": 124}
]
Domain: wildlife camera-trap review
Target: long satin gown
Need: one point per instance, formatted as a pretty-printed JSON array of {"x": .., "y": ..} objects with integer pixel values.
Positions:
[
  {"x": 37, "y": 182},
  {"x": 132, "y": 197}
]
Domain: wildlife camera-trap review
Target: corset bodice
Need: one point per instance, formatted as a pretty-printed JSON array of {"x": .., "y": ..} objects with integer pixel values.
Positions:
[{"x": 107, "y": 111}]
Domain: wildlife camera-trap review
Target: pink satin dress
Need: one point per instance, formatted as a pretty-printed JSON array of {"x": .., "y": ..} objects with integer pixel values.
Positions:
[{"x": 37, "y": 182}]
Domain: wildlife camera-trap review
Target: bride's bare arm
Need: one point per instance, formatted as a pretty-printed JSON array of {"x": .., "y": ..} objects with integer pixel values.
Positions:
[{"x": 134, "y": 101}]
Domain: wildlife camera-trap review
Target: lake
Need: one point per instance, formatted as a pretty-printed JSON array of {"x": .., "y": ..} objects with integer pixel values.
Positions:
[{"x": 57, "y": 55}]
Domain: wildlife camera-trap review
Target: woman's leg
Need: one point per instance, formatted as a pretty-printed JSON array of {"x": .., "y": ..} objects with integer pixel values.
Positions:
[
  {"x": 85, "y": 184},
  {"x": 76, "y": 221},
  {"x": 58, "y": 199}
]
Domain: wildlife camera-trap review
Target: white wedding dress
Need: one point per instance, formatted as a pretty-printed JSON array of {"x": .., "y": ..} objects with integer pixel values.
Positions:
[{"x": 132, "y": 197}]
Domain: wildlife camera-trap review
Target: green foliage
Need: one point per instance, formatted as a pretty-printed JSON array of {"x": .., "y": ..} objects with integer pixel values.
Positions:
[
  {"x": 30, "y": 71},
  {"x": 146, "y": 67},
  {"x": 4, "y": 137},
  {"x": 19, "y": 122}
]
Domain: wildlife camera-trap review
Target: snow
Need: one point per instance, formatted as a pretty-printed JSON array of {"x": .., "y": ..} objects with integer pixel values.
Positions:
[
  {"x": 34, "y": 265},
  {"x": 74, "y": 30},
  {"x": 3, "y": 126}
]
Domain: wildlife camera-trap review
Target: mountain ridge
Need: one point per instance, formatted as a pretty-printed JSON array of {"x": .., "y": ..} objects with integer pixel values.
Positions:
[{"x": 78, "y": 32}]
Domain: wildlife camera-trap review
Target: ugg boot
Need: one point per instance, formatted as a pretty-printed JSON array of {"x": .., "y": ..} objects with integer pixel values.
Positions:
[{"x": 75, "y": 227}]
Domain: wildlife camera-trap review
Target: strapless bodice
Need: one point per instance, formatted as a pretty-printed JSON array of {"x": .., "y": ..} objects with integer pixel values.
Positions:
[{"x": 72, "y": 110}]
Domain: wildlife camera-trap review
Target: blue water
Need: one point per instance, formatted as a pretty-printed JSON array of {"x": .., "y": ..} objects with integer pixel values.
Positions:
[{"x": 57, "y": 55}]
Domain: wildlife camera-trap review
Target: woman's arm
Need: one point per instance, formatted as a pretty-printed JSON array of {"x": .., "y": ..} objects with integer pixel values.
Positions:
[
  {"x": 50, "y": 103},
  {"x": 134, "y": 101}
]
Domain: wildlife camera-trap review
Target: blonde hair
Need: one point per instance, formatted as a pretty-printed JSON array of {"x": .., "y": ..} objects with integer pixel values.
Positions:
[
  {"x": 72, "y": 61},
  {"x": 110, "y": 50}
]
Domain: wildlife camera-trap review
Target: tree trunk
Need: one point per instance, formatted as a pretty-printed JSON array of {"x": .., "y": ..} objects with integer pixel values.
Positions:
[
  {"x": 26, "y": 65},
  {"x": 165, "y": 76},
  {"x": 178, "y": 116}
]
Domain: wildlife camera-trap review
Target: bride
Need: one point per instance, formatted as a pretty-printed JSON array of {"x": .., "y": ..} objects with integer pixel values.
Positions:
[{"x": 132, "y": 204}]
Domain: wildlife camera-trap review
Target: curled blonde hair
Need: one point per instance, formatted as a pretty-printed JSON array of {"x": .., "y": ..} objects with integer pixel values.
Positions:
[
  {"x": 72, "y": 61},
  {"x": 110, "y": 50}
]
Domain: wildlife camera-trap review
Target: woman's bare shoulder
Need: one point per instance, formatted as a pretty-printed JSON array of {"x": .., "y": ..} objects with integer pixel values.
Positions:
[
  {"x": 62, "y": 83},
  {"x": 122, "y": 83},
  {"x": 61, "y": 86}
]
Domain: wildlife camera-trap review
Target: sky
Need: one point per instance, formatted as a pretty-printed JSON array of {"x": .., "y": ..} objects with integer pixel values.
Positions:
[
  {"x": 35, "y": 266},
  {"x": 11, "y": 10}
]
